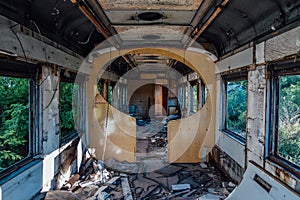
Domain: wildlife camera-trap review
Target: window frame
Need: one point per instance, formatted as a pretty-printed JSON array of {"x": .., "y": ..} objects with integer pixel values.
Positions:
[
  {"x": 230, "y": 77},
  {"x": 70, "y": 79},
  {"x": 17, "y": 69},
  {"x": 277, "y": 70}
]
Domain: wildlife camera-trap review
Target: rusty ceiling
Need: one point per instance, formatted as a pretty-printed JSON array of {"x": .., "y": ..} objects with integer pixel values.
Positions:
[{"x": 220, "y": 26}]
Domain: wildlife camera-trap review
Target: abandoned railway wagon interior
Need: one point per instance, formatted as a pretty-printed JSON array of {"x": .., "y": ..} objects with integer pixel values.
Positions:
[{"x": 150, "y": 99}]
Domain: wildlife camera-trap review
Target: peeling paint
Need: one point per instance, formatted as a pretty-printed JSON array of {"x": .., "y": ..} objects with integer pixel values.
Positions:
[
  {"x": 285, "y": 176},
  {"x": 256, "y": 114},
  {"x": 230, "y": 167}
]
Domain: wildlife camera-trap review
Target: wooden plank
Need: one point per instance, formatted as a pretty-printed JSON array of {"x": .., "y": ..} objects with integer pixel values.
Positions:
[
  {"x": 113, "y": 180},
  {"x": 126, "y": 189},
  {"x": 191, "y": 138},
  {"x": 187, "y": 137},
  {"x": 121, "y": 132},
  {"x": 122, "y": 129}
]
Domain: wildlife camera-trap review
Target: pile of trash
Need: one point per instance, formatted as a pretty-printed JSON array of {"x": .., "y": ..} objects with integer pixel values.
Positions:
[
  {"x": 97, "y": 181},
  {"x": 92, "y": 182},
  {"x": 182, "y": 181},
  {"x": 160, "y": 140}
]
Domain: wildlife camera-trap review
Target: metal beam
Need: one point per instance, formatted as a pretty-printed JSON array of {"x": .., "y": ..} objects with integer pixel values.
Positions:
[
  {"x": 91, "y": 16},
  {"x": 116, "y": 41},
  {"x": 208, "y": 22},
  {"x": 20, "y": 43},
  {"x": 202, "y": 10}
]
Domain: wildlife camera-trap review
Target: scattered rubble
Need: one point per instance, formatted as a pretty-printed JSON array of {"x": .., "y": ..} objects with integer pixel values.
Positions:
[
  {"x": 97, "y": 181},
  {"x": 112, "y": 180},
  {"x": 152, "y": 138},
  {"x": 200, "y": 181}
]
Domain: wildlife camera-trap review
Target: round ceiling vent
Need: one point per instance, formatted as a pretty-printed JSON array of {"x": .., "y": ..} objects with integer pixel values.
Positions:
[
  {"x": 150, "y": 16},
  {"x": 150, "y": 37}
]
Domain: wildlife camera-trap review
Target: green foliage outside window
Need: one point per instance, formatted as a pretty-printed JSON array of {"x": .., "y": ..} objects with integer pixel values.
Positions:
[
  {"x": 289, "y": 118},
  {"x": 236, "y": 107},
  {"x": 14, "y": 120},
  {"x": 110, "y": 94},
  {"x": 194, "y": 98},
  {"x": 68, "y": 113}
]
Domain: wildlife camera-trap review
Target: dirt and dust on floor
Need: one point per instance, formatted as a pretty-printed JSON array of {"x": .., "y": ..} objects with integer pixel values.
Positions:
[
  {"x": 114, "y": 180},
  {"x": 150, "y": 177},
  {"x": 151, "y": 140}
]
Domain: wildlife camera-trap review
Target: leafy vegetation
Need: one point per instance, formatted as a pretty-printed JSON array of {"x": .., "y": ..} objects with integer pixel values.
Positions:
[
  {"x": 14, "y": 120},
  {"x": 236, "y": 107},
  {"x": 67, "y": 111},
  {"x": 289, "y": 118},
  {"x": 14, "y": 117}
]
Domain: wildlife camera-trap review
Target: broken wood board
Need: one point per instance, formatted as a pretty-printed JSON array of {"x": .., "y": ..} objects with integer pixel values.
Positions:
[
  {"x": 121, "y": 144},
  {"x": 126, "y": 189},
  {"x": 189, "y": 137},
  {"x": 120, "y": 130}
]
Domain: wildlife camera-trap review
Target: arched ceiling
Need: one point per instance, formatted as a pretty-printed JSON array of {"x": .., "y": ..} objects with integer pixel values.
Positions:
[{"x": 220, "y": 26}]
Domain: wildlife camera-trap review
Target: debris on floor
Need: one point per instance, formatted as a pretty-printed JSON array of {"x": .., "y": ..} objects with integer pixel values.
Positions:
[
  {"x": 151, "y": 177},
  {"x": 98, "y": 181},
  {"x": 182, "y": 181},
  {"x": 152, "y": 139}
]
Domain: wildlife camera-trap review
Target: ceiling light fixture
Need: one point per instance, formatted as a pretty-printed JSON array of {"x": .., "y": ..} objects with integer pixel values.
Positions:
[
  {"x": 150, "y": 37},
  {"x": 150, "y": 16}
]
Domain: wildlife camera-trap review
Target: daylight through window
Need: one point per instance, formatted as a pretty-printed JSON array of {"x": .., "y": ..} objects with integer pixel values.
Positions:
[
  {"x": 288, "y": 142},
  {"x": 14, "y": 120},
  {"x": 236, "y": 107},
  {"x": 68, "y": 112}
]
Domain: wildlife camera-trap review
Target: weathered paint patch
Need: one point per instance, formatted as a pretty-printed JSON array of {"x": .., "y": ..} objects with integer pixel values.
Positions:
[
  {"x": 283, "y": 45},
  {"x": 65, "y": 162},
  {"x": 227, "y": 164},
  {"x": 282, "y": 174},
  {"x": 256, "y": 114}
]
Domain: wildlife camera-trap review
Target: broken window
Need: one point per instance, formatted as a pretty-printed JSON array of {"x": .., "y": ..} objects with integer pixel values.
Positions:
[
  {"x": 68, "y": 99},
  {"x": 285, "y": 114},
  {"x": 236, "y": 106},
  {"x": 14, "y": 120}
]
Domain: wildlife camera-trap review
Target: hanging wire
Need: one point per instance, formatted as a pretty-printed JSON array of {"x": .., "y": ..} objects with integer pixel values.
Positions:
[
  {"x": 11, "y": 28},
  {"x": 88, "y": 38},
  {"x": 39, "y": 31}
]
